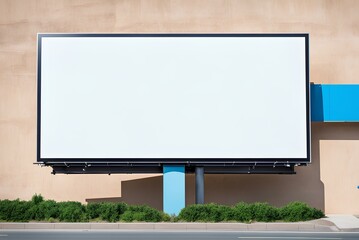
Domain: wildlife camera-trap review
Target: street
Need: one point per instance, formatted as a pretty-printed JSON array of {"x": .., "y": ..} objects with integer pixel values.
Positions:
[{"x": 158, "y": 235}]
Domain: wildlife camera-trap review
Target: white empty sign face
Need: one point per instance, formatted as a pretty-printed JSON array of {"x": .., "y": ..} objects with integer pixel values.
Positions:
[{"x": 173, "y": 97}]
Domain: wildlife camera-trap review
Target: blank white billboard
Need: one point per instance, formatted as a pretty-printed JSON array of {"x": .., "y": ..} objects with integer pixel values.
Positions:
[{"x": 113, "y": 96}]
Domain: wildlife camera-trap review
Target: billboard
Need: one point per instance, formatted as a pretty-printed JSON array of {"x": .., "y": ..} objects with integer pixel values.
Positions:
[{"x": 173, "y": 98}]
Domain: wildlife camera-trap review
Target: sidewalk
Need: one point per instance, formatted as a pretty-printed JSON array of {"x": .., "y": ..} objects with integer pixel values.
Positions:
[
  {"x": 321, "y": 225},
  {"x": 344, "y": 222}
]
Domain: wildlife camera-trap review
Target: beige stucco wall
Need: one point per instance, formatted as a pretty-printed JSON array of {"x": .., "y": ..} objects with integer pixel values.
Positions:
[{"x": 329, "y": 183}]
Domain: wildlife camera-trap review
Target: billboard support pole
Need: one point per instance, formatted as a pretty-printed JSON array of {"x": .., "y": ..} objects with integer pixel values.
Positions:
[{"x": 199, "y": 185}]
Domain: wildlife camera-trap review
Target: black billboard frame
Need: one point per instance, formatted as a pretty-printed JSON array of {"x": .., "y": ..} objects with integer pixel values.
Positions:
[{"x": 137, "y": 164}]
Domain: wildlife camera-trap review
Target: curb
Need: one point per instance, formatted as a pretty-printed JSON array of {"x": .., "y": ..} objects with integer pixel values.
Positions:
[{"x": 171, "y": 226}]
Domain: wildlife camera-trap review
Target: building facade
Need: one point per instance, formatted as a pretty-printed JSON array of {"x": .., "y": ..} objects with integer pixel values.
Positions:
[{"x": 330, "y": 182}]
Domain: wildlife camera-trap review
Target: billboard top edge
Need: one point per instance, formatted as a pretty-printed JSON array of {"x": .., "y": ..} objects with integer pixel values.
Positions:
[{"x": 41, "y": 35}]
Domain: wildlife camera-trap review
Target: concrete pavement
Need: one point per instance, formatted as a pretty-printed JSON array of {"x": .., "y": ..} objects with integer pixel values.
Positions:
[
  {"x": 332, "y": 223},
  {"x": 316, "y": 225},
  {"x": 344, "y": 222}
]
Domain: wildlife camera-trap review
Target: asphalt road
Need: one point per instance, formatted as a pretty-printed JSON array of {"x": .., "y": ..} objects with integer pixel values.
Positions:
[{"x": 153, "y": 235}]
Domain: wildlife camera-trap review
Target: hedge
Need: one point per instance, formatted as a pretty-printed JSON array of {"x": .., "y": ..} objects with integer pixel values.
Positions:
[
  {"x": 245, "y": 212},
  {"x": 206, "y": 213},
  {"x": 39, "y": 209}
]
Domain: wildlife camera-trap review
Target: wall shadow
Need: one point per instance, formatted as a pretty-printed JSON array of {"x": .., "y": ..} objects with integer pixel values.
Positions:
[
  {"x": 229, "y": 189},
  {"x": 139, "y": 191},
  {"x": 276, "y": 189}
]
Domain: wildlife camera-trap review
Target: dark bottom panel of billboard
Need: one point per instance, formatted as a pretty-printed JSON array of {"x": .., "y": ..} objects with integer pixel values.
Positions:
[{"x": 159, "y": 169}]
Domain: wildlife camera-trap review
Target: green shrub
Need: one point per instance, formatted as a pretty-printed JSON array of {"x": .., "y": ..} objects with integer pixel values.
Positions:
[
  {"x": 15, "y": 211},
  {"x": 48, "y": 210},
  {"x": 168, "y": 218},
  {"x": 5, "y": 209},
  {"x": 242, "y": 212},
  {"x": 93, "y": 210},
  {"x": 193, "y": 213},
  {"x": 36, "y": 199},
  {"x": 111, "y": 212},
  {"x": 51, "y": 209},
  {"x": 51, "y": 220},
  {"x": 33, "y": 213},
  {"x": 143, "y": 213},
  {"x": 263, "y": 212},
  {"x": 72, "y": 212},
  {"x": 298, "y": 211},
  {"x": 43, "y": 210},
  {"x": 224, "y": 213},
  {"x": 206, "y": 213}
]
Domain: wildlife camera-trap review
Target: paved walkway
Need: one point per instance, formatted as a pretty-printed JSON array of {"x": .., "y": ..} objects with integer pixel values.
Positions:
[
  {"x": 311, "y": 226},
  {"x": 344, "y": 222},
  {"x": 332, "y": 223}
]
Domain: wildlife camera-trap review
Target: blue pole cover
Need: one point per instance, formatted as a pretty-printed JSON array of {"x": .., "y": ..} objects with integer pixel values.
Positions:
[{"x": 174, "y": 196}]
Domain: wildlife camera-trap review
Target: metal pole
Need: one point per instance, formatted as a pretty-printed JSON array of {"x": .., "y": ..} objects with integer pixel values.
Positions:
[{"x": 199, "y": 185}]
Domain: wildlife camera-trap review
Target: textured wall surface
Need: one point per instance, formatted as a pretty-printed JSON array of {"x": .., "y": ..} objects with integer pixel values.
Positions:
[{"x": 328, "y": 183}]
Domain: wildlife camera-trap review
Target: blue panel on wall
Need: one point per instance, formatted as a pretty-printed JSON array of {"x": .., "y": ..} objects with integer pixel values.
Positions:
[
  {"x": 316, "y": 99},
  {"x": 335, "y": 102},
  {"x": 173, "y": 189}
]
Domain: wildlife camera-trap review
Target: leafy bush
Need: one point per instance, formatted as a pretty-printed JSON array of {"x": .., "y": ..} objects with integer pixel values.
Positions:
[
  {"x": 193, "y": 213},
  {"x": 5, "y": 209},
  {"x": 43, "y": 210},
  {"x": 206, "y": 213},
  {"x": 143, "y": 213},
  {"x": 36, "y": 209},
  {"x": 242, "y": 212},
  {"x": 111, "y": 212},
  {"x": 298, "y": 211},
  {"x": 72, "y": 212},
  {"x": 93, "y": 210},
  {"x": 15, "y": 211},
  {"x": 263, "y": 212},
  {"x": 48, "y": 210},
  {"x": 36, "y": 199}
]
